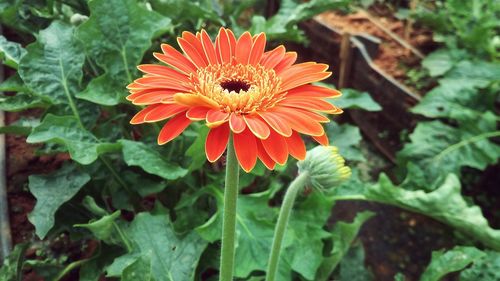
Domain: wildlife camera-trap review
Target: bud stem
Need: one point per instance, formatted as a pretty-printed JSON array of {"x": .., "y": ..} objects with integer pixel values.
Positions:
[
  {"x": 229, "y": 214},
  {"x": 279, "y": 232}
]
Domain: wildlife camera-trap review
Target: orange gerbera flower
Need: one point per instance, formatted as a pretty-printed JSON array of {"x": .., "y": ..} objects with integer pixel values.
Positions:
[{"x": 233, "y": 85}]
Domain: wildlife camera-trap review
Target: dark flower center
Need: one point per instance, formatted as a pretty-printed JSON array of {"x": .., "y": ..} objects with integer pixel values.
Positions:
[{"x": 235, "y": 85}]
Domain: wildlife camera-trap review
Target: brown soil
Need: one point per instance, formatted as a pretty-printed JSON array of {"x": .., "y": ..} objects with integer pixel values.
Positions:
[{"x": 394, "y": 58}]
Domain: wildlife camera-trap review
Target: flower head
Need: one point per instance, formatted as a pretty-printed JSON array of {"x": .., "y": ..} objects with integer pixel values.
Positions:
[
  {"x": 325, "y": 166},
  {"x": 263, "y": 98}
]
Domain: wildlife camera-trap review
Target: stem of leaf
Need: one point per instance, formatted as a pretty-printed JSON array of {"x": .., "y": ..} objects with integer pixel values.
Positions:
[
  {"x": 123, "y": 237},
  {"x": 134, "y": 200},
  {"x": 229, "y": 214},
  {"x": 283, "y": 218}
]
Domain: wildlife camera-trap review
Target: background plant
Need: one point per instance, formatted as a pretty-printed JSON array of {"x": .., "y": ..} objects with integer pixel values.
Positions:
[{"x": 155, "y": 211}]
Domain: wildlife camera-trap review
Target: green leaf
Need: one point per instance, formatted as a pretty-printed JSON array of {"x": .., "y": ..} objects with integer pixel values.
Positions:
[
  {"x": 20, "y": 127},
  {"x": 283, "y": 25},
  {"x": 445, "y": 204},
  {"x": 10, "y": 52},
  {"x": 438, "y": 62},
  {"x": 478, "y": 74},
  {"x": 343, "y": 234},
  {"x": 116, "y": 36},
  {"x": 52, "y": 67},
  {"x": 197, "y": 150},
  {"x": 13, "y": 84},
  {"x": 453, "y": 100},
  {"x": 172, "y": 257},
  {"x": 83, "y": 147},
  {"x": 255, "y": 229},
  {"x": 11, "y": 269},
  {"x": 20, "y": 101},
  {"x": 486, "y": 268},
  {"x": 51, "y": 191},
  {"x": 453, "y": 260},
  {"x": 150, "y": 160},
  {"x": 140, "y": 270},
  {"x": 439, "y": 149},
  {"x": 347, "y": 138},
  {"x": 355, "y": 99},
  {"x": 352, "y": 266},
  {"x": 104, "y": 228}
]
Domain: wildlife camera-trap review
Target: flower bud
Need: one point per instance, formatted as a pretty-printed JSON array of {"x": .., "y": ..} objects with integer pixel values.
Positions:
[{"x": 325, "y": 166}]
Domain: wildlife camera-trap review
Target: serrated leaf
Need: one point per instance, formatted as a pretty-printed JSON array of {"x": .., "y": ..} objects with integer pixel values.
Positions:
[
  {"x": 343, "y": 234},
  {"x": 172, "y": 257},
  {"x": 51, "y": 191},
  {"x": 52, "y": 67},
  {"x": 116, "y": 35},
  {"x": 10, "y": 52},
  {"x": 453, "y": 260},
  {"x": 478, "y": 74},
  {"x": 355, "y": 99},
  {"x": 347, "y": 138},
  {"x": 20, "y": 101},
  {"x": 486, "y": 268},
  {"x": 11, "y": 269},
  {"x": 150, "y": 160},
  {"x": 283, "y": 25},
  {"x": 438, "y": 62},
  {"x": 439, "y": 149},
  {"x": 83, "y": 147},
  {"x": 445, "y": 204},
  {"x": 452, "y": 100}
]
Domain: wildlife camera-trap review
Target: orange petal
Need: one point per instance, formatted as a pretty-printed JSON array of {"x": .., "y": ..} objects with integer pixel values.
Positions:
[
  {"x": 139, "y": 117},
  {"x": 301, "y": 123},
  {"x": 160, "y": 82},
  {"x": 323, "y": 140},
  {"x": 258, "y": 127},
  {"x": 208, "y": 47},
  {"x": 173, "y": 128},
  {"x": 264, "y": 157},
  {"x": 296, "y": 146},
  {"x": 135, "y": 94},
  {"x": 237, "y": 123},
  {"x": 194, "y": 100},
  {"x": 232, "y": 40},
  {"x": 313, "y": 115},
  {"x": 223, "y": 47},
  {"x": 192, "y": 53},
  {"x": 152, "y": 98},
  {"x": 246, "y": 149},
  {"x": 312, "y": 91},
  {"x": 272, "y": 58},
  {"x": 277, "y": 123},
  {"x": 303, "y": 73},
  {"x": 288, "y": 59},
  {"x": 309, "y": 104},
  {"x": 197, "y": 113},
  {"x": 163, "y": 112},
  {"x": 216, "y": 142},
  {"x": 243, "y": 48},
  {"x": 216, "y": 117},
  {"x": 174, "y": 58},
  {"x": 258, "y": 47},
  {"x": 275, "y": 146},
  {"x": 163, "y": 71}
]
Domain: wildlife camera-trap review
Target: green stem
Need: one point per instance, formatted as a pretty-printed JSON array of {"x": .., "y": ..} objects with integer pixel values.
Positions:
[
  {"x": 123, "y": 237},
  {"x": 279, "y": 232},
  {"x": 229, "y": 214}
]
